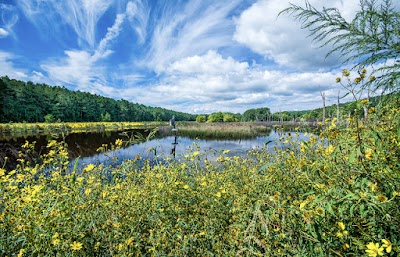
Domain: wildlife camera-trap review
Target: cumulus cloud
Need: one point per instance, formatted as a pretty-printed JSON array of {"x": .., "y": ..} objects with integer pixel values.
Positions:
[
  {"x": 281, "y": 39},
  {"x": 209, "y": 83}
]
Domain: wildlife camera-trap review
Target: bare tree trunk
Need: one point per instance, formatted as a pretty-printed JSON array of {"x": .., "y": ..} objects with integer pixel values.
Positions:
[
  {"x": 365, "y": 112},
  {"x": 323, "y": 109},
  {"x": 338, "y": 108}
]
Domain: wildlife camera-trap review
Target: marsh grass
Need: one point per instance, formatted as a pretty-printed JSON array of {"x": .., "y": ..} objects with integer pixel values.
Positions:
[{"x": 231, "y": 130}]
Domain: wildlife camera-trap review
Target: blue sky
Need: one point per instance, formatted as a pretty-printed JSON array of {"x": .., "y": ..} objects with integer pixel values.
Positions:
[{"x": 196, "y": 56}]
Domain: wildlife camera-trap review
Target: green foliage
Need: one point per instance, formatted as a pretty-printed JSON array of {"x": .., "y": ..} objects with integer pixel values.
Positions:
[
  {"x": 49, "y": 118},
  {"x": 223, "y": 117},
  {"x": 230, "y": 117},
  {"x": 372, "y": 37},
  {"x": 105, "y": 117},
  {"x": 216, "y": 117},
  {"x": 201, "y": 118},
  {"x": 259, "y": 114},
  {"x": 30, "y": 102}
]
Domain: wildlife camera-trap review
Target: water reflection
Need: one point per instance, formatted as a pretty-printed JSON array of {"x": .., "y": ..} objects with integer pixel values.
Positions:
[
  {"x": 160, "y": 148},
  {"x": 85, "y": 145}
]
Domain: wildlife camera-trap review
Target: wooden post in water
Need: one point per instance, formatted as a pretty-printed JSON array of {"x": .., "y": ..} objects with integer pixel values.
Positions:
[{"x": 175, "y": 133}]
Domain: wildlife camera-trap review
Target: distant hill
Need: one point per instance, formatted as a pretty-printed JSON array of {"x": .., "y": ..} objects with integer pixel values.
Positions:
[{"x": 26, "y": 101}]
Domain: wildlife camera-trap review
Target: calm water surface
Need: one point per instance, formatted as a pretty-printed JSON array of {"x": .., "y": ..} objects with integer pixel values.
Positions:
[{"x": 84, "y": 146}]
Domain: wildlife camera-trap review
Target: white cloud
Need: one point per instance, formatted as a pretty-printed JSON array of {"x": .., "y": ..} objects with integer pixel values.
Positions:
[
  {"x": 209, "y": 83},
  {"x": 8, "y": 18},
  {"x": 82, "y": 68},
  {"x": 138, "y": 15},
  {"x": 8, "y": 69},
  {"x": 281, "y": 38},
  {"x": 209, "y": 63},
  {"x": 3, "y": 32},
  {"x": 81, "y": 15},
  {"x": 199, "y": 27}
]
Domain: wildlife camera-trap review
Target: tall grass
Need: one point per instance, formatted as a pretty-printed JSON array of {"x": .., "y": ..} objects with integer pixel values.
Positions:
[{"x": 232, "y": 130}]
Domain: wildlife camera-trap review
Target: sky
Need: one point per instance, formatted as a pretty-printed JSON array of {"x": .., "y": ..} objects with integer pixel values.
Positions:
[{"x": 195, "y": 56}]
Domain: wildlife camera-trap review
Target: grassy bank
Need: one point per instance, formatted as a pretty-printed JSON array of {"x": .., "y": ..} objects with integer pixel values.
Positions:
[
  {"x": 339, "y": 199},
  {"x": 74, "y": 127}
]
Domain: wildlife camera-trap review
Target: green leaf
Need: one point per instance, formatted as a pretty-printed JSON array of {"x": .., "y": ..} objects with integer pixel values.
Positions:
[
  {"x": 76, "y": 165},
  {"x": 329, "y": 209},
  {"x": 266, "y": 166},
  {"x": 398, "y": 134}
]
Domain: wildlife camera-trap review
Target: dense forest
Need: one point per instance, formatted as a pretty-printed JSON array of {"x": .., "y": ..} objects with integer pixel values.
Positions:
[{"x": 30, "y": 102}]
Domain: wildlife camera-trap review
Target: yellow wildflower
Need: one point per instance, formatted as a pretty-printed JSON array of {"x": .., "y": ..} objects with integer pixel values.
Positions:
[
  {"x": 374, "y": 250},
  {"x": 341, "y": 225},
  {"x": 129, "y": 241},
  {"x": 371, "y": 110},
  {"x": 364, "y": 71},
  {"x": 2, "y": 172},
  {"x": 364, "y": 101},
  {"x": 320, "y": 211},
  {"x": 358, "y": 80},
  {"x": 372, "y": 78},
  {"x": 387, "y": 244},
  {"x": 21, "y": 252},
  {"x": 118, "y": 143},
  {"x": 338, "y": 80},
  {"x": 368, "y": 153},
  {"x": 88, "y": 168},
  {"x": 329, "y": 149},
  {"x": 55, "y": 241},
  {"x": 382, "y": 198},
  {"x": 186, "y": 187},
  {"x": 76, "y": 246},
  {"x": 346, "y": 73}
]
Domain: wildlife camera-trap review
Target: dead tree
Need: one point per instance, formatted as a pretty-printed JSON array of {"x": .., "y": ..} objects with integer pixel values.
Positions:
[
  {"x": 338, "y": 108},
  {"x": 323, "y": 109}
]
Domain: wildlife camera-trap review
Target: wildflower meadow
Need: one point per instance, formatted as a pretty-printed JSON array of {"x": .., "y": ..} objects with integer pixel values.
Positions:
[{"x": 335, "y": 194}]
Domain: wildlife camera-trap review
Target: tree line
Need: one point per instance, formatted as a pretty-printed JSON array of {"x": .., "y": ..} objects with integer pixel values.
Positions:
[{"x": 31, "y": 102}]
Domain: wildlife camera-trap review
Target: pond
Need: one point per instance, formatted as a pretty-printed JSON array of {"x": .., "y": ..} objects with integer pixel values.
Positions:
[{"x": 85, "y": 145}]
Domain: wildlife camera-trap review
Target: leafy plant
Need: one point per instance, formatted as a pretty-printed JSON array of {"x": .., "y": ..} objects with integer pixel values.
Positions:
[{"x": 371, "y": 38}]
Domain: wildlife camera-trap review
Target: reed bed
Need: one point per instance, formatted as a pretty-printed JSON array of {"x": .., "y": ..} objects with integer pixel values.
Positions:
[{"x": 234, "y": 130}]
